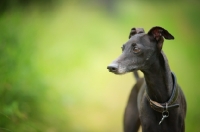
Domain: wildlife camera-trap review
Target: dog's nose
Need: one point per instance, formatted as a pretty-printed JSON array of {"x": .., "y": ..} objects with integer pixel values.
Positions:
[{"x": 112, "y": 67}]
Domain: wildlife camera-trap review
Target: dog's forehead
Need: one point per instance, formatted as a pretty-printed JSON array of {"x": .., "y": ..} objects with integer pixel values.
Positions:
[{"x": 139, "y": 38}]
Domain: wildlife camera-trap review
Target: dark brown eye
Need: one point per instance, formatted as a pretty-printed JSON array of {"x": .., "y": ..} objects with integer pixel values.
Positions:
[{"x": 136, "y": 49}]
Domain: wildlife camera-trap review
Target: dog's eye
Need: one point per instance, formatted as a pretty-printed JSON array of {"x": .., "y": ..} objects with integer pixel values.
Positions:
[{"x": 136, "y": 49}]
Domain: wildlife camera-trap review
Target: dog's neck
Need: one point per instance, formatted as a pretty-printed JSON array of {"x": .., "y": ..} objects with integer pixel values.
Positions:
[{"x": 159, "y": 80}]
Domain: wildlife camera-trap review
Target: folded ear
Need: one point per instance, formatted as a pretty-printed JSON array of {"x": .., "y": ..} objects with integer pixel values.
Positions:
[
  {"x": 135, "y": 31},
  {"x": 158, "y": 32}
]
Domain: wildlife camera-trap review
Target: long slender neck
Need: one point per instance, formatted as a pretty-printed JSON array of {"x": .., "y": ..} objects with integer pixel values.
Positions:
[{"x": 159, "y": 80}]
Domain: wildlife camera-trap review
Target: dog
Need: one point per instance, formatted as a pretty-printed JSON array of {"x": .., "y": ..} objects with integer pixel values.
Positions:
[{"x": 156, "y": 102}]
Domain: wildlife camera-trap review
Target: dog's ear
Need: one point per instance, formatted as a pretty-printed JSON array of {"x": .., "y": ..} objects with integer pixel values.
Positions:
[
  {"x": 135, "y": 31},
  {"x": 158, "y": 33}
]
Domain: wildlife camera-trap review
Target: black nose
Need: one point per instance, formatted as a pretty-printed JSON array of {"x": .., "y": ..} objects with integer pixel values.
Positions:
[{"x": 112, "y": 67}]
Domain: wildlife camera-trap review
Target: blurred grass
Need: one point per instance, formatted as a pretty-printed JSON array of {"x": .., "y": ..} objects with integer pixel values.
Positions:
[{"x": 53, "y": 63}]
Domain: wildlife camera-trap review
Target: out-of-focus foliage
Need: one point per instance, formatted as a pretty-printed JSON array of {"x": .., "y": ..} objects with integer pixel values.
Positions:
[
  {"x": 25, "y": 104},
  {"x": 5, "y": 5},
  {"x": 53, "y": 58}
]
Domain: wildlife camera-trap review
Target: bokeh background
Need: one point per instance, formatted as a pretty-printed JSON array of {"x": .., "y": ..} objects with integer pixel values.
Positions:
[{"x": 54, "y": 54}]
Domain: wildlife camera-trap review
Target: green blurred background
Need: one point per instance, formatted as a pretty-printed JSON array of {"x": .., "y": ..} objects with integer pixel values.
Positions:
[{"x": 54, "y": 54}]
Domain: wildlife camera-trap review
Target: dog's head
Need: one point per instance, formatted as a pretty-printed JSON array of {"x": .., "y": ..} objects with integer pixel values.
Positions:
[{"x": 140, "y": 51}]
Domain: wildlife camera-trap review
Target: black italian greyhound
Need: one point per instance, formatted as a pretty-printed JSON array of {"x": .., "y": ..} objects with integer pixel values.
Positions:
[{"x": 156, "y": 102}]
